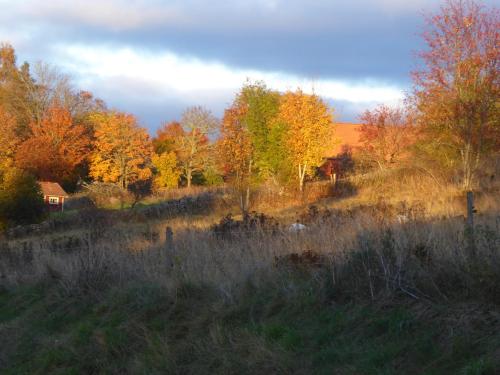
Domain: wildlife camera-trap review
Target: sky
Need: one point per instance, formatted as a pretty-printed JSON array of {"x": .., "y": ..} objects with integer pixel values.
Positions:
[{"x": 155, "y": 58}]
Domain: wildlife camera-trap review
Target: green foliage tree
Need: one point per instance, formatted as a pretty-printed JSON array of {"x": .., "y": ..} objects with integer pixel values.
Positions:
[
  {"x": 21, "y": 200},
  {"x": 211, "y": 177},
  {"x": 261, "y": 105},
  {"x": 14, "y": 87}
]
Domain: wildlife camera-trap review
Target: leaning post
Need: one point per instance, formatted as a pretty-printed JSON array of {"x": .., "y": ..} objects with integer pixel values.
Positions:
[
  {"x": 169, "y": 239},
  {"x": 469, "y": 230}
]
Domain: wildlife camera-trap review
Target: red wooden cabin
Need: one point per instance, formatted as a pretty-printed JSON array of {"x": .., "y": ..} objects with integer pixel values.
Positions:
[{"x": 53, "y": 196}]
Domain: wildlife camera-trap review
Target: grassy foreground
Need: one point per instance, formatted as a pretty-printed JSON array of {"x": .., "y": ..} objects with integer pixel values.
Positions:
[
  {"x": 358, "y": 292},
  {"x": 141, "y": 329}
]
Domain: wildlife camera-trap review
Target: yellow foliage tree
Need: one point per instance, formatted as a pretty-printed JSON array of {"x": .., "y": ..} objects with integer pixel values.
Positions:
[
  {"x": 8, "y": 138},
  {"x": 122, "y": 150},
  {"x": 309, "y": 124},
  {"x": 168, "y": 173}
]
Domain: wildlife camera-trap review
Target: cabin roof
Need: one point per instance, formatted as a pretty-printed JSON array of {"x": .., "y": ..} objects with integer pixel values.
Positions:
[{"x": 52, "y": 188}]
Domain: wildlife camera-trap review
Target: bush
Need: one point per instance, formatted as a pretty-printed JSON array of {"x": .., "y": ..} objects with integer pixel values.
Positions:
[
  {"x": 107, "y": 194},
  {"x": 212, "y": 178},
  {"x": 251, "y": 224},
  {"x": 21, "y": 200}
]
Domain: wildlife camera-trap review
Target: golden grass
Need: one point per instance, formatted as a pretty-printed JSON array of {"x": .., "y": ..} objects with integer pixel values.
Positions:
[{"x": 359, "y": 221}]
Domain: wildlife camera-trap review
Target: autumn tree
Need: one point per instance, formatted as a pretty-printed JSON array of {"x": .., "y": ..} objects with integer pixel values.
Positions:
[
  {"x": 50, "y": 87},
  {"x": 55, "y": 147},
  {"x": 167, "y": 172},
  {"x": 82, "y": 104},
  {"x": 308, "y": 122},
  {"x": 385, "y": 136},
  {"x": 122, "y": 150},
  {"x": 457, "y": 88},
  {"x": 193, "y": 146},
  {"x": 167, "y": 138},
  {"x": 28, "y": 93},
  {"x": 235, "y": 153}
]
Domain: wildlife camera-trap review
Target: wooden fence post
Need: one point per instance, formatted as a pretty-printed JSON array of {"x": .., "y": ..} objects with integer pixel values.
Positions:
[
  {"x": 469, "y": 230},
  {"x": 169, "y": 238},
  {"x": 470, "y": 209}
]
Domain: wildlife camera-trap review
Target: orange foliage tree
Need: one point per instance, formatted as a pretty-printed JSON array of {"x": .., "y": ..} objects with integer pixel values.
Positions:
[
  {"x": 122, "y": 150},
  {"x": 234, "y": 149},
  {"x": 458, "y": 88},
  {"x": 167, "y": 138},
  {"x": 308, "y": 122},
  {"x": 386, "y": 135},
  {"x": 55, "y": 147}
]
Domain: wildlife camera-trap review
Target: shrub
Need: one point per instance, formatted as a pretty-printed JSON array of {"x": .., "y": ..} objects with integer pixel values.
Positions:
[
  {"x": 107, "y": 194},
  {"x": 21, "y": 200},
  {"x": 250, "y": 224},
  {"x": 212, "y": 178}
]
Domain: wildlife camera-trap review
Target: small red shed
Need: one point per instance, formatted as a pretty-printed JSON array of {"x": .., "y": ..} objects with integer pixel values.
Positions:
[{"x": 53, "y": 195}]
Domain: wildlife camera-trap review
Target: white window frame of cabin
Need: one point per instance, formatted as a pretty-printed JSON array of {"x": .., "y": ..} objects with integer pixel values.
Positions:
[{"x": 54, "y": 200}]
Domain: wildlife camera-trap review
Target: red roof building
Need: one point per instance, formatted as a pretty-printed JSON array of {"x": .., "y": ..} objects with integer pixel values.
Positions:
[
  {"x": 53, "y": 196},
  {"x": 346, "y": 140}
]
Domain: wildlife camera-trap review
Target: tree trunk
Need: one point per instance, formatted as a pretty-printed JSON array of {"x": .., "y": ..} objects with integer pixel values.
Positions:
[
  {"x": 242, "y": 204},
  {"x": 468, "y": 167},
  {"x": 302, "y": 175},
  {"x": 189, "y": 177},
  {"x": 247, "y": 198},
  {"x": 123, "y": 170},
  {"x": 247, "y": 195}
]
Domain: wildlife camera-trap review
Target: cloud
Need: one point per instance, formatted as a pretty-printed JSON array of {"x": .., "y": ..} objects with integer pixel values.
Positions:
[
  {"x": 159, "y": 79},
  {"x": 353, "y": 51},
  {"x": 200, "y": 14},
  {"x": 115, "y": 15},
  {"x": 313, "y": 38},
  {"x": 168, "y": 71}
]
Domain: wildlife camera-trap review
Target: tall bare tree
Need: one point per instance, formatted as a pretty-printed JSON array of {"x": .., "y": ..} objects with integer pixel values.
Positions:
[{"x": 198, "y": 124}]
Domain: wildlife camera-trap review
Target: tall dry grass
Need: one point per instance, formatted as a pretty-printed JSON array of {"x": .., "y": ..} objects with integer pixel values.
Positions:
[
  {"x": 362, "y": 254},
  {"x": 399, "y": 232}
]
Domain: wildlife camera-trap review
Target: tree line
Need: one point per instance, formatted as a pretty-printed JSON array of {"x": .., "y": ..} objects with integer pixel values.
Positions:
[
  {"x": 52, "y": 132},
  {"x": 450, "y": 120}
]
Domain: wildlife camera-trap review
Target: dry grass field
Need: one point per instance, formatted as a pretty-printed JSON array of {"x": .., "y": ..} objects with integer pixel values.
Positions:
[{"x": 384, "y": 279}]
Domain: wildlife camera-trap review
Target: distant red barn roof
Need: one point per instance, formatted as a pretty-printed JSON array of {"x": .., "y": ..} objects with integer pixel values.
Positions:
[
  {"x": 52, "y": 188},
  {"x": 347, "y": 134}
]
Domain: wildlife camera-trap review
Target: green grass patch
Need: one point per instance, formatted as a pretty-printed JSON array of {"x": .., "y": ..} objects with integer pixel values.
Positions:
[{"x": 141, "y": 329}]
